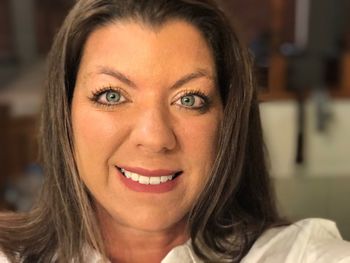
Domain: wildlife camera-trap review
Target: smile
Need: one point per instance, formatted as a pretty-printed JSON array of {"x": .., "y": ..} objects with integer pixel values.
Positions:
[{"x": 148, "y": 180}]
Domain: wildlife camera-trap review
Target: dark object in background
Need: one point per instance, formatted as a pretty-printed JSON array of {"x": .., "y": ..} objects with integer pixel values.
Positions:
[
  {"x": 18, "y": 148},
  {"x": 320, "y": 27},
  {"x": 260, "y": 47},
  {"x": 21, "y": 192}
]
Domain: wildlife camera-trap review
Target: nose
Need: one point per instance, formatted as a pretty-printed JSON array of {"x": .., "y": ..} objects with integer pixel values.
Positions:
[{"x": 153, "y": 132}]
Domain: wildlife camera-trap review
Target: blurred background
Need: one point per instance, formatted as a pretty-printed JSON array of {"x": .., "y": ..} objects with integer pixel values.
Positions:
[{"x": 302, "y": 57}]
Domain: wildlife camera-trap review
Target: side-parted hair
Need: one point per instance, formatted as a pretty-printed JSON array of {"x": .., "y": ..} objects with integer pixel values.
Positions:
[{"x": 237, "y": 204}]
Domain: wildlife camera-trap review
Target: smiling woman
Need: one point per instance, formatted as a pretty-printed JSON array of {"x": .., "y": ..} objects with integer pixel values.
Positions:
[
  {"x": 134, "y": 127},
  {"x": 152, "y": 146}
]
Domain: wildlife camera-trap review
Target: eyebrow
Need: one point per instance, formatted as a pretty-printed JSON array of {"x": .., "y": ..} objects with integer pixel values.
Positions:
[
  {"x": 117, "y": 75},
  {"x": 199, "y": 73}
]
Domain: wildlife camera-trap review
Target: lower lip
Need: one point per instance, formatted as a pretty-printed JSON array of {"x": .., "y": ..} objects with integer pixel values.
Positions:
[{"x": 148, "y": 188}]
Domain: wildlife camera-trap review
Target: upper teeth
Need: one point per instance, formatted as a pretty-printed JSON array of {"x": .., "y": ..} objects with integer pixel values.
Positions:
[{"x": 145, "y": 179}]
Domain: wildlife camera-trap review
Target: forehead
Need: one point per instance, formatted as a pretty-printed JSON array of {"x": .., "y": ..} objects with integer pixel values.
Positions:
[{"x": 133, "y": 46}]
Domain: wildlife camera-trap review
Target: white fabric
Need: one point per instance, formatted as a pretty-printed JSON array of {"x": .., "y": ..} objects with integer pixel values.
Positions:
[
  {"x": 3, "y": 259},
  {"x": 307, "y": 241}
]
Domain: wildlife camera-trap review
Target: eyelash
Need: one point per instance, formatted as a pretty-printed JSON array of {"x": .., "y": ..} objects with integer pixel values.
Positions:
[
  {"x": 98, "y": 93},
  {"x": 206, "y": 100},
  {"x": 201, "y": 95}
]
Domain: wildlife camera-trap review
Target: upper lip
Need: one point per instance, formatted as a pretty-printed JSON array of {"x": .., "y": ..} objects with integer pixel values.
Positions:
[{"x": 150, "y": 173}]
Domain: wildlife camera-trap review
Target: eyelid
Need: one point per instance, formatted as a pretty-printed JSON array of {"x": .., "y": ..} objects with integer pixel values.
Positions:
[
  {"x": 198, "y": 93},
  {"x": 96, "y": 95}
]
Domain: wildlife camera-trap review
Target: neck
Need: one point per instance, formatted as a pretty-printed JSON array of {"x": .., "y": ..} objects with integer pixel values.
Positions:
[{"x": 125, "y": 244}]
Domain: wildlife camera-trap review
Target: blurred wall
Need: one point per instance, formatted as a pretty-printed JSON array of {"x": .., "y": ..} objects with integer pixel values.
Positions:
[
  {"x": 6, "y": 45},
  {"x": 320, "y": 187},
  {"x": 251, "y": 17}
]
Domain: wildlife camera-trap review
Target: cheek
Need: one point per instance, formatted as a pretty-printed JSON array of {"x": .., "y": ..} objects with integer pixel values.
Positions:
[
  {"x": 96, "y": 136},
  {"x": 199, "y": 141}
]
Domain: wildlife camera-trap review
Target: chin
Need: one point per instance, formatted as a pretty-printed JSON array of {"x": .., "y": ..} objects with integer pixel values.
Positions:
[{"x": 153, "y": 222}]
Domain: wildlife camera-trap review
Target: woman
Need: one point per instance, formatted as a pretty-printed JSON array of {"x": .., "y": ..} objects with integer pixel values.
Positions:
[{"x": 151, "y": 144}]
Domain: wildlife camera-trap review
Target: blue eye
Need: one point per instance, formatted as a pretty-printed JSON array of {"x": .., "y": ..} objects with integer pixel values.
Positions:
[
  {"x": 108, "y": 97},
  {"x": 112, "y": 96},
  {"x": 188, "y": 100},
  {"x": 192, "y": 101}
]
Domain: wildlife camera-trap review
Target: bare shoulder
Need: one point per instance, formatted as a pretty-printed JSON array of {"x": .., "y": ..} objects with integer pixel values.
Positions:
[{"x": 309, "y": 240}]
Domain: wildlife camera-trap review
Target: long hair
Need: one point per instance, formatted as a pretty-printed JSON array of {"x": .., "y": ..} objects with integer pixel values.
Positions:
[{"x": 236, "y": 205}]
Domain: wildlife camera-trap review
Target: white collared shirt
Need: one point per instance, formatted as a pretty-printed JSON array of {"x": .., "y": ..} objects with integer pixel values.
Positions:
[{"x": 306, "y": 241}]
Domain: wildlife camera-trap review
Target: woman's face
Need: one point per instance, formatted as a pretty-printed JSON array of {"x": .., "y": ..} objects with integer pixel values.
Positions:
[{"x": 146, "y": 112}]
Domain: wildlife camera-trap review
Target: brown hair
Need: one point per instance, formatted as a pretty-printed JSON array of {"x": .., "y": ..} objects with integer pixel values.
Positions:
[{"x": 237, "y": 204}]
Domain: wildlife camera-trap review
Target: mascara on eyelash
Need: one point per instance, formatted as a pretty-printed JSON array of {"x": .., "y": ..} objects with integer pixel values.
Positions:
[
  {"x": 202, "y": 109},
  {"x": 202, "y": 95},
  {"x": 97, "y": 93},
  {"x": 206, "y": 104},
  {"x": 103, "y": 90}
]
